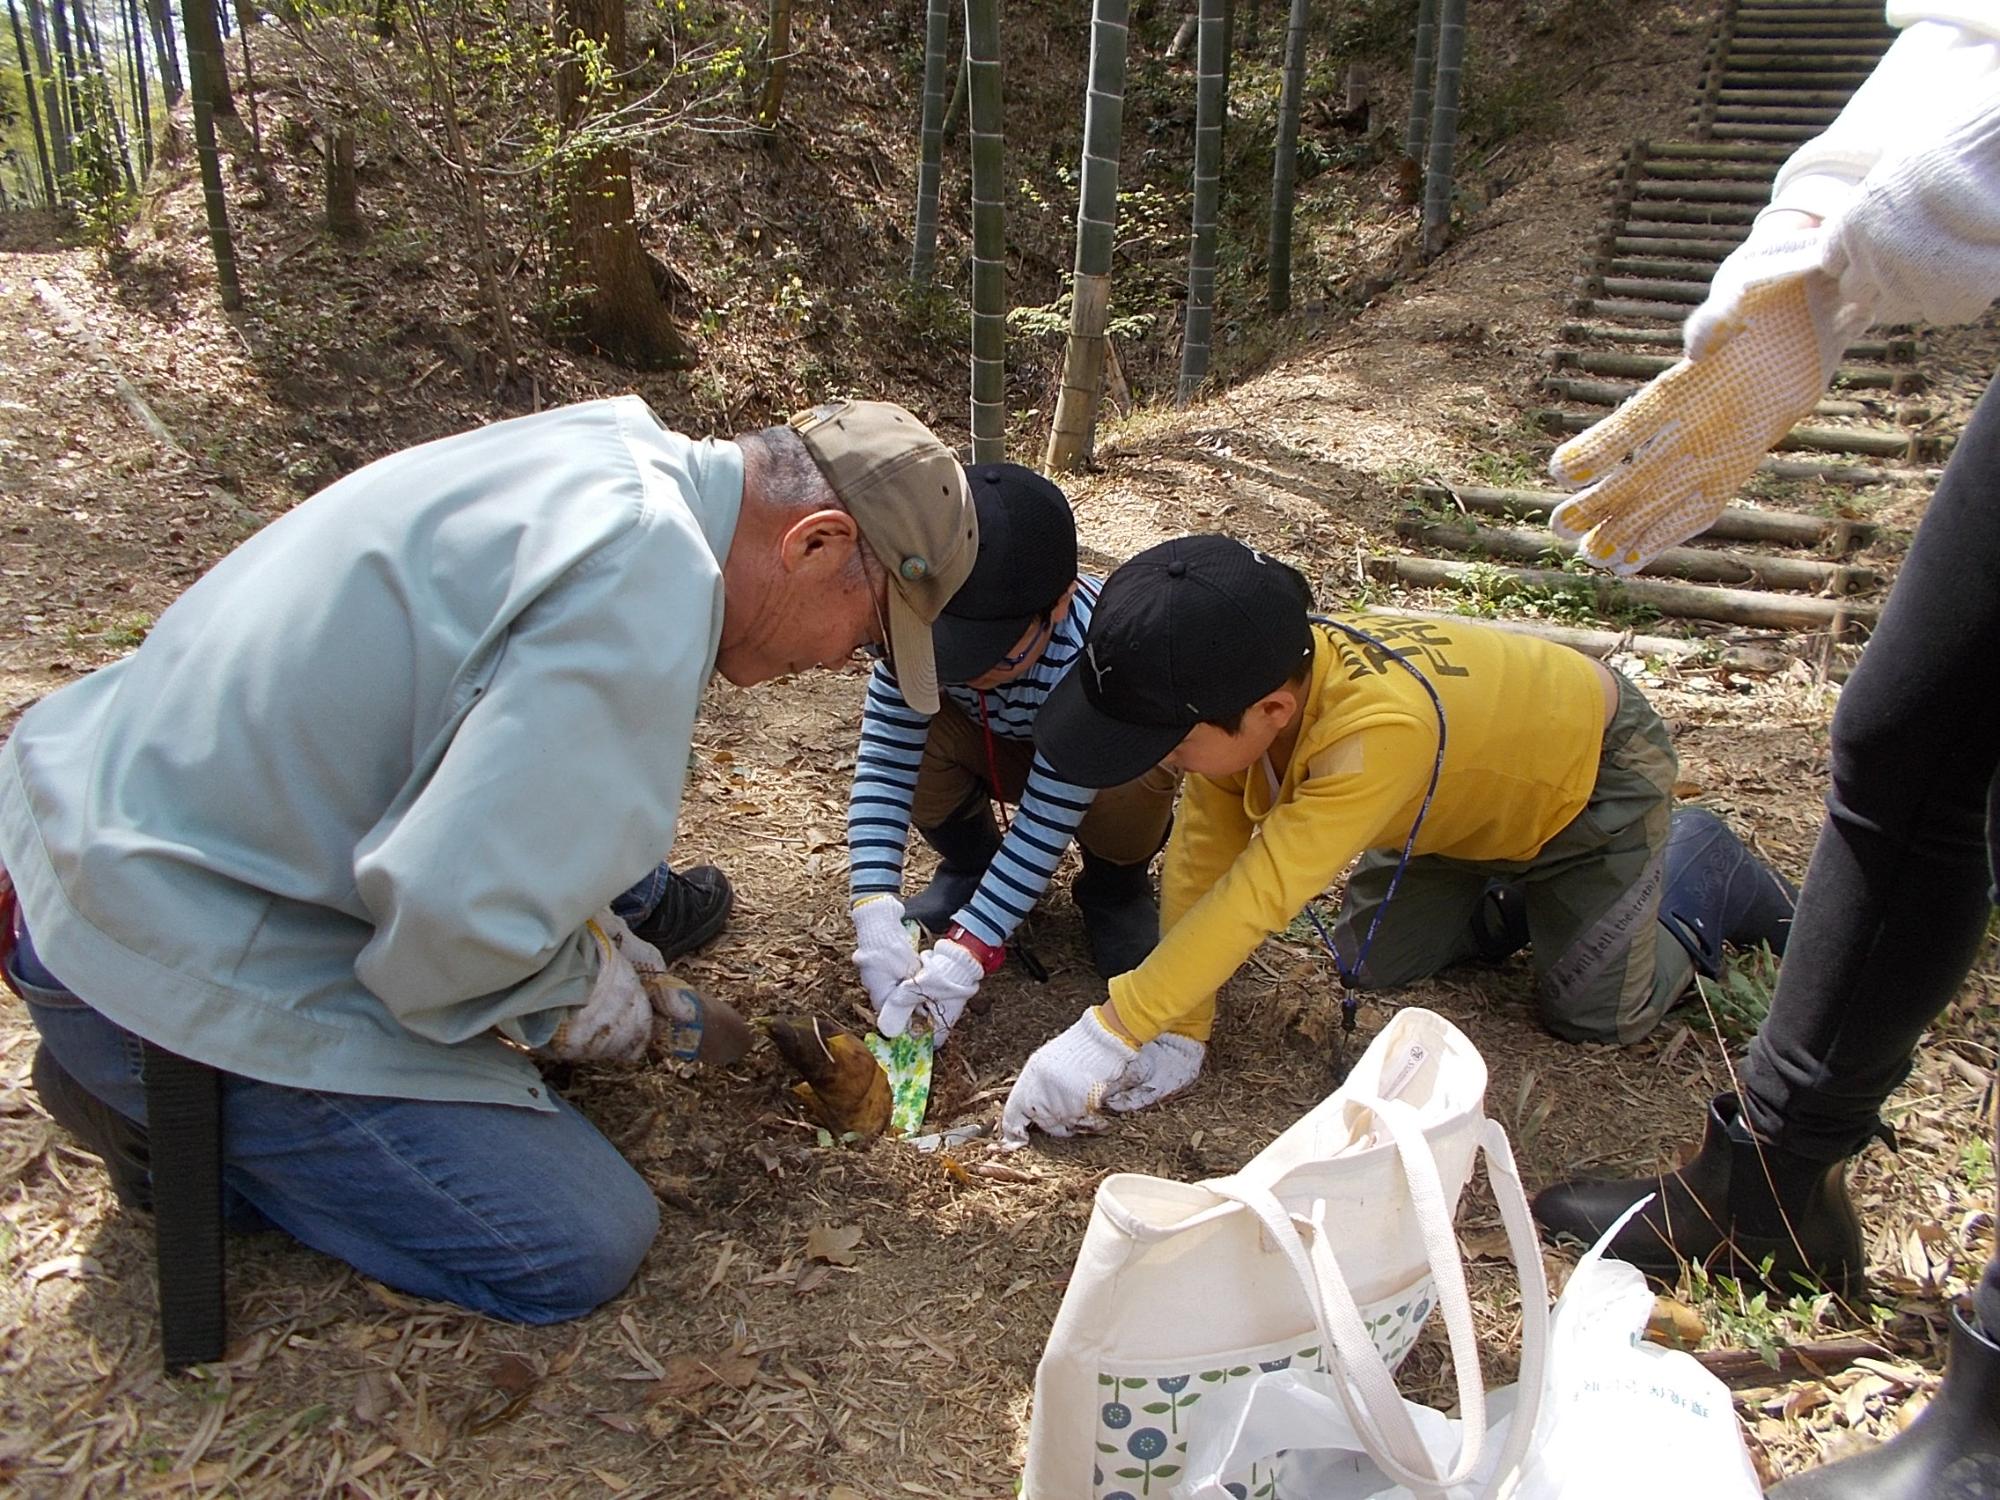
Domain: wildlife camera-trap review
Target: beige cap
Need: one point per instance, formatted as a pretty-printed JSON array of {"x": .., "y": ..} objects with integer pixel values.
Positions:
[{"x": 909, "y": 495}]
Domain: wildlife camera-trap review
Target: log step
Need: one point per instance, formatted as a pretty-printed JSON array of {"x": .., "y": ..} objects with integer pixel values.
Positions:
[
  {"x": 1735, "y": 524},
  {"x": 1772, "y": 655},
  {"x": 1696, "y": 564},
  {"x": 1610, "y": 595},
  {"x": 1909, "y": 447},
  {"x": 1646, "y": 366}
]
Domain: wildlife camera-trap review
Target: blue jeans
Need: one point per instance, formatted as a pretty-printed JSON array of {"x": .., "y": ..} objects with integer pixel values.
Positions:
[{"x": 515, "y": 1213}]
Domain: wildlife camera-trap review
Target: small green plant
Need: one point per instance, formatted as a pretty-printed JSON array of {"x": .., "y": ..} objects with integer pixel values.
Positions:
[
  {"x": 1742, "y": 1318},
  {"x": 1503, "y": 471},
  {"x": 1975, "y": 1162},
  {"x": 1735, "y": 1005}
]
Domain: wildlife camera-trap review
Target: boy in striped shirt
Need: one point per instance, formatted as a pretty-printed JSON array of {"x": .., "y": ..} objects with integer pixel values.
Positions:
[{"x": 1005, "y": 640}]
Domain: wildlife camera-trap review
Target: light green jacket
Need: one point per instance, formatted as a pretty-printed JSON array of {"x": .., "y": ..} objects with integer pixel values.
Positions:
[{"x": 343, "y": 815}]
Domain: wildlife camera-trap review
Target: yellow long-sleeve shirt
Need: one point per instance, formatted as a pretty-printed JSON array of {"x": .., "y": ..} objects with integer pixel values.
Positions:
[{"x": 1524, "y": 724}]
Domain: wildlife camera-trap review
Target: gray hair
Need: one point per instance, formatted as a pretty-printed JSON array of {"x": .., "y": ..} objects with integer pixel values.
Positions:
[{"x": 791, "y": 480}]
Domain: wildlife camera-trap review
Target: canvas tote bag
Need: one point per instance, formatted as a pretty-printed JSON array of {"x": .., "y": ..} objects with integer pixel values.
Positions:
[{"x": 1326, "y": 1253}]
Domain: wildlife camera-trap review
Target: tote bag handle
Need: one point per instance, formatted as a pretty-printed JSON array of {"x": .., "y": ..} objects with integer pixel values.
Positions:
[{"x": 1363, "y": 1381}]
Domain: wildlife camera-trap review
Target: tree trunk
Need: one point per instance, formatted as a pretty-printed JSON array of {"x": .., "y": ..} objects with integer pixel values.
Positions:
[
  {"x": 246, "y": 20},
  {"x": 343, "y": 205},
  {"x": 1211, "y": 102},
  {"x": 1072, "y": 434},
  {"x": 989, "y": 233},
  {"x": 605, "y": 286},
  {"x": 1422, "y": 70},
  {"x": 142, "y": 88},
  {"x": 1285, "y": 160},
  {"x": 202, "y": 59},
  {"x": 777, "y": 61},
  {"x": 440, "y": 72},
  {"x": 204, "y": 36},
  {"x": 930, "y": 142},
  {"x": 107, "y": 99},
  {"x": 54, "y": 98},
  {"x": 1444, "y": 126},
  {"x": 34, "y": 107},
  {"x": 165, "y": 50},
  {"x": 954, "y": 112}
]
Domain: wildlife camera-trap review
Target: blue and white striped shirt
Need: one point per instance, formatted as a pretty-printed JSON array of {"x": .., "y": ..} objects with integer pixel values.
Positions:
[{"x": 885, "y": 783}]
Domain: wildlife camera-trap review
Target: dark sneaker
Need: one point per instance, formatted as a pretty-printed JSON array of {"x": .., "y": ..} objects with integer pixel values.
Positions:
[{"x": 691, "y": 911}]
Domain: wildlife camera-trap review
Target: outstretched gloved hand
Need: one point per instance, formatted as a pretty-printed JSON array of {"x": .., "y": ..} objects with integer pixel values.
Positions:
[
  {"x": 1760, "y": 352},
  {"x": 1165, "y": 1065},
  {"x": 1067, "y": 1081},
  {"x": 947, "y": 978},
  {"x": 884, "y": 951},
  {"x": 615, "y": 1021}
]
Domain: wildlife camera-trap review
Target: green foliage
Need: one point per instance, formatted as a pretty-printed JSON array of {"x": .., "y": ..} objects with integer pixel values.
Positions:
[
  {"x": 1975, "y": 1163},
  {"x": 1735, "y": 1005},
  {"x": 1503, "y": 471},
  {"x": 1740, "y": 1317},
  {"x": 1491, "y": 591},
  {"x": 1051, "y": 319}
]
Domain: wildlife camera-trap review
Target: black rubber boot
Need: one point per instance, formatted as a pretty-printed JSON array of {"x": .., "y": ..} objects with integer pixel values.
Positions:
[
  {"x": 691, "y": 911},
  {"x": 99, "y": 1129},
  {"x": 1717, "y": 891},
  {"x": 966, "y": 843},
  {"x": 1500, "y": 922},
  {"x": 1120, "y": 917},
  {"x": 1952, "y": 1450},
  {"x": 1733, "y": 1206}
]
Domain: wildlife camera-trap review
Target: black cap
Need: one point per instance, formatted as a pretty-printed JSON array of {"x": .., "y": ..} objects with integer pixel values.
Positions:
[
  {"x": 1197, "y": 628},
  {"x": 1027, "y": 558}
]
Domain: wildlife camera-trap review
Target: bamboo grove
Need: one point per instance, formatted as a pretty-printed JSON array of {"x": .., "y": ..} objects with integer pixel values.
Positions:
[{"x": 100, "y": 83}]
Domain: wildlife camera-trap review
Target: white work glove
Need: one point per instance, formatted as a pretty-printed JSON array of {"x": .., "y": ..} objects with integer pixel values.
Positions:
[
  {"x": 947, "y": 978},
  {"x": 1760, "y": 352},
  {"x": 615, "y": 1021},
  {"x": 884, "y": 951},
  {"x": 1165, "y": 1065},
  {"x": 1066, "y": 1081}
]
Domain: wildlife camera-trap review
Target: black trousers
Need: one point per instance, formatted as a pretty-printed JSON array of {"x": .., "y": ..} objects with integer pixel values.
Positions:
[{"x": 1897, "y": 898}]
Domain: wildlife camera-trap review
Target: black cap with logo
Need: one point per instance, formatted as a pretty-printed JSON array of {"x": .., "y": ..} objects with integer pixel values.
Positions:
[
  {"x": 1197, "y": 628},
  {"x": 1027, "y": 558}
]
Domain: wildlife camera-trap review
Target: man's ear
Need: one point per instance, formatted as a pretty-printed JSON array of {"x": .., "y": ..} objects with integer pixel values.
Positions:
[{"x": 818, "y": 539}]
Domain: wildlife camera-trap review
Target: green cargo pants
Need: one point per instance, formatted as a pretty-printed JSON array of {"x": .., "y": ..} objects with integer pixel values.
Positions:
[{"x": 1605, "y": 970}]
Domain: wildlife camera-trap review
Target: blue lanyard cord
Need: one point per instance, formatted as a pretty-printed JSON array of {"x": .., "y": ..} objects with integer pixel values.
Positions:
[{"x": 1348, "y": 977}]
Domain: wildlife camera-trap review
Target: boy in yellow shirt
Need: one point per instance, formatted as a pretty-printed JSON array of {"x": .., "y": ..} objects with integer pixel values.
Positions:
[{"x": 1496, "y": 789}]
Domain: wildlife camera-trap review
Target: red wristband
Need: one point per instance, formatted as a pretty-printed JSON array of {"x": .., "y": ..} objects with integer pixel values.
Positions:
[{"x": 990, "y": 957}]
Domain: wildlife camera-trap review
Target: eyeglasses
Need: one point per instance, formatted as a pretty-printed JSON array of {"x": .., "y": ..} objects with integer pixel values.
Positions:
[
  {"x": 1008, "y": 663},
  {"x": 875, "y": 650}
]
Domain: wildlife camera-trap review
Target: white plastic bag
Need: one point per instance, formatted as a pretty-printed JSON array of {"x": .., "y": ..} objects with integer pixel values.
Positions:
[
  {"x": 1624, "y": 1417},
  {"x": 1617, "y": 1416}
]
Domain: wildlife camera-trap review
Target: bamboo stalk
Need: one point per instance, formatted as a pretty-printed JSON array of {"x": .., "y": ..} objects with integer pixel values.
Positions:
[
  {"x": 1611, "y": 393},
  {"x": 989, "y": 263},
  {"x": 1075, "y": 424},
  {"x": 1211, "y": 101},
  {"x": 1736, "y": 524},
  {"x": 1682, "y": 600},
  {"x": 1646, "y": 366},
  {"x": 1603, "y": 643},
  {"x": 1874, "y": 444},
  {"x": 1706, "y": 191},
  {"x": 1696, "y": 564}
]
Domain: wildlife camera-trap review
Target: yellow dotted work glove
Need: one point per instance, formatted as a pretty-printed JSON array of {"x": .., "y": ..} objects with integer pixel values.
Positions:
[{"x": 1662, "y": 467}]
